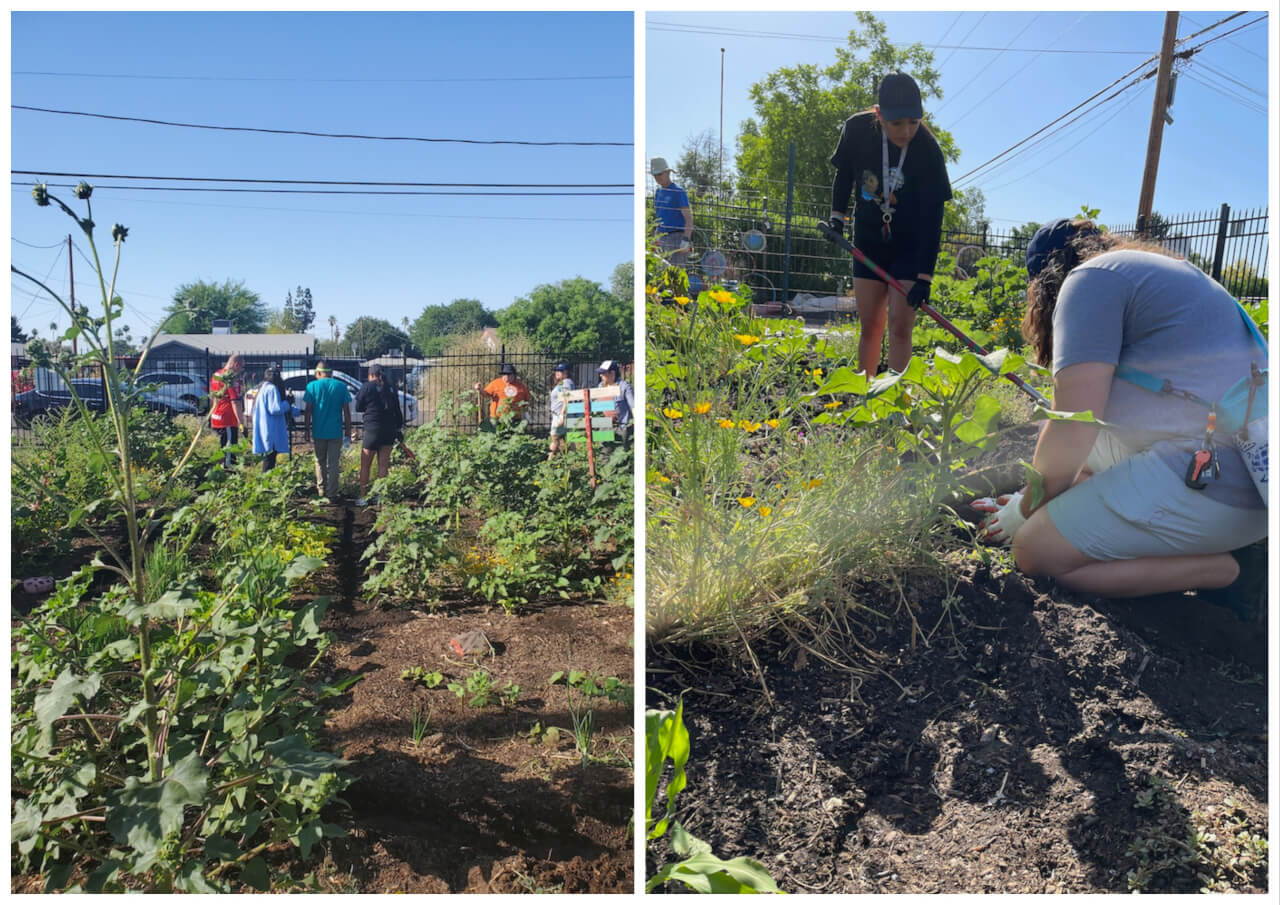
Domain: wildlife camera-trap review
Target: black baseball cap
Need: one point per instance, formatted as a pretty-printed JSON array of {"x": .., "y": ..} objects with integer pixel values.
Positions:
[
  {"x": 1048, "y": 239},
  {"x": 507, "y": 368},
  {"x": 899, "y": 98}
]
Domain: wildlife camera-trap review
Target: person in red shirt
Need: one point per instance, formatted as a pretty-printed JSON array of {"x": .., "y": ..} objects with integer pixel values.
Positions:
[
  {"x": 226, "y": 389},
  {"x": 506, "y": 393}
]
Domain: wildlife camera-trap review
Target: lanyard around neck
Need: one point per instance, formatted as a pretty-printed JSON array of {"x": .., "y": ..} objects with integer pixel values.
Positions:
[{"x": 886, "y": 187}]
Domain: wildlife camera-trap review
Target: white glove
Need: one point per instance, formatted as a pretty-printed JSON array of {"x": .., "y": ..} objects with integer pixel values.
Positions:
[{"x": 1005, "y": 519}]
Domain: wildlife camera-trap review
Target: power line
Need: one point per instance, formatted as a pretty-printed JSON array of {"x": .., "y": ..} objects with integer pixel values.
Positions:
[
  {"x": 1222, "y": 75},
  {"x": 312, "y": 134},
  {"x": 483, "y": 185},
  {"x": 29, "y": 245},
  {"x": 233, "y": 78},
  {"x": 359, "y": 213},
  {"x": 992, "y": 62},
  {"x": 1236, "y": 44},
  {"x": 366, "y": 192},
  {"x": 1226, "y": 92},
  {"x": 971, "y": 30}
]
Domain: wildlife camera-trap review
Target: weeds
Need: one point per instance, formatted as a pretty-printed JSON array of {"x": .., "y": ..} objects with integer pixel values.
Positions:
[{"x": 420, "y": 721}]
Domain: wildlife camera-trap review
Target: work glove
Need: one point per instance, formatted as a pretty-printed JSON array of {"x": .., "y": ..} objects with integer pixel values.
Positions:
[
  {"x": 836, "y": 223},
  {"x": 918, "y": 294},
  {"x": 1005, "y": 519}
]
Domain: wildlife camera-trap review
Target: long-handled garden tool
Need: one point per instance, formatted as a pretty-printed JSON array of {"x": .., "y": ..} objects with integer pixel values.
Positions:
[{"x": 839, "y": 239}]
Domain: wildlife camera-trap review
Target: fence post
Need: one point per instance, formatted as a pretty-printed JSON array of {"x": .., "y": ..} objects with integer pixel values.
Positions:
[
  {"x": 1221, "y": 248},
  {"x": 786, "y": 257}
]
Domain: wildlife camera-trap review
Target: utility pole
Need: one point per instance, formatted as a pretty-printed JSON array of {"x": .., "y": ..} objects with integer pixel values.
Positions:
[
  {"x": 720, "y": 178},
  {"x": 1158, "y": 114}
]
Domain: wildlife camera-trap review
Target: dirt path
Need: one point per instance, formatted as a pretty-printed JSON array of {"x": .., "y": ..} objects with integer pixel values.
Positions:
[
  {"x": 1040, "y": 742},
  {"x": 478, "y": 805}
]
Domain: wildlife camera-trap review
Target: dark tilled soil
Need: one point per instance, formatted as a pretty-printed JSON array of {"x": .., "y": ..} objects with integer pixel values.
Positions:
[
  {"x": 1013, "y": 751},
  {"x": 478, "y": 805}
]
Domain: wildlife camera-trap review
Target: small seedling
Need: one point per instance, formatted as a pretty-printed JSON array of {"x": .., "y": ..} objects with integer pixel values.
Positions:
[
  {"x": 479, "y": 687},
  {"x": 421, "y": 717},
  {"x": 420, "y": 674},
  {"x": 510, "y": 694}
]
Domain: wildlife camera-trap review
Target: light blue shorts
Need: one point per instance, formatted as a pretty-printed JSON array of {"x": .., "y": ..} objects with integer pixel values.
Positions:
[{"x": 1139, "y": 507}]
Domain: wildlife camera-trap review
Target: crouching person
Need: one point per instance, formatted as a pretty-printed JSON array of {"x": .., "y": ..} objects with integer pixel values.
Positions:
[{"x": 1151, "y": 517}]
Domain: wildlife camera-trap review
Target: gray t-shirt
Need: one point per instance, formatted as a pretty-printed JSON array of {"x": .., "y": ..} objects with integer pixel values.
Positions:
[{"x": 1168, "y": 318}]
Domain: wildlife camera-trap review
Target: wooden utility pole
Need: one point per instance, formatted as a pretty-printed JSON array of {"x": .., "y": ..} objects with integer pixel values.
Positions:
[{"x": 1158, "y": 108}]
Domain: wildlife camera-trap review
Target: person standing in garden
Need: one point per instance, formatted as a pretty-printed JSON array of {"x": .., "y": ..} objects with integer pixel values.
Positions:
[
  {"x": 507, "y": 393},
  {"x": 226, "y": 389},
  {"x": 675, "y": 216},
  {"x": 611, "y": 375},
  {"x": 379, "y": 403},
  {"x": 892, "y": 159},
  {"x": 271, "y": 411},
  {"x": 329, "y": 402},
  {"x": 1166, "y": 507},
  {"x": 559, "y": 404}
]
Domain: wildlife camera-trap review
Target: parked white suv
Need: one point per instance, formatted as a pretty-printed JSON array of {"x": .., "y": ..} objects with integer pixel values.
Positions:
[
  {"x": 174, "y": 388},
  {"x": 296, "y": 381}
]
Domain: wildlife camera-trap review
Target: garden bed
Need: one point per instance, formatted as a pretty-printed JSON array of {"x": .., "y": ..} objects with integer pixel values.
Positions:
[{"x": 478, "y": 804}]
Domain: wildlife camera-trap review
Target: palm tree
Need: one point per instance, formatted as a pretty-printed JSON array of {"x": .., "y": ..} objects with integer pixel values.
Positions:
[{"x": 333, "y": 327}]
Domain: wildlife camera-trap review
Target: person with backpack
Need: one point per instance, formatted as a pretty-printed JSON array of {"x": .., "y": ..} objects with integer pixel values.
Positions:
[
  {"x": 272, "y": 407},
  {"x": 1169, "y": 504},
  {"x": 893, "y": 162}
]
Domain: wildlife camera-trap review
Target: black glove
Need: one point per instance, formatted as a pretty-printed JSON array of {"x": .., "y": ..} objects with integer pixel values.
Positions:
[
  {"x": 918, "y": 294},
  {"x": 836, "y": 224}
]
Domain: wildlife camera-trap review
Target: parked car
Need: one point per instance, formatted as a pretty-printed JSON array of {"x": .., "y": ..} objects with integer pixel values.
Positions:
[
  {"x": 171, "y": 386},
  {"x": 35, "y": 402},
  {"x": 296, "y": 382}
]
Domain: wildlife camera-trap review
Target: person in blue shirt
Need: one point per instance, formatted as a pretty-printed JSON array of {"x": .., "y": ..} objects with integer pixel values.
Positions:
[
  {"x": 675, "y": 216},
  {"x": 329, "y": 402},
  {"x": 271, "y": 410}
]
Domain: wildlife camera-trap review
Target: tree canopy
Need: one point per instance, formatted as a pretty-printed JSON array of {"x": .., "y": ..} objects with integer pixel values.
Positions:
[
  {"x": 17, "y": 334},
  {"x": 435, "y": 327},
  {"x": 576, "y": 317},
  {"x": 698, "y": 170},
  {"x": 369, "y": 337},
  {"x": 622, "y": 282},
  {"x": 808, "y": 104},
  {"x": 197, "y": 305}
]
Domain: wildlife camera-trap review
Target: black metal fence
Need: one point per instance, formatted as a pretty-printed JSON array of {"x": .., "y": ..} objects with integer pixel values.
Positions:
[
  {"x": 440, "y": 389},
  {"x": 769, "y": 241}
]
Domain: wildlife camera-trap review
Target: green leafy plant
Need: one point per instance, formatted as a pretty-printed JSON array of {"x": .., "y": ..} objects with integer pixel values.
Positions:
[
  {"x": 667, "y": 739},
  {"x": 407, "y": 549},
  {"x": 478, "y": 690},
  {"x": 420, "y": 674}
]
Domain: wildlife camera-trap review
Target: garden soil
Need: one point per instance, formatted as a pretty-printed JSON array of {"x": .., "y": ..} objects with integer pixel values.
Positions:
[
  {"x": 1032, "y": 740},
  {"x": 479, "y": 804}
]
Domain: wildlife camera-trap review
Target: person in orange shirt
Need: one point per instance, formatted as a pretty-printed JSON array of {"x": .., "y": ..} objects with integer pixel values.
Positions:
[
  {"x": 506, "y": 393},
  {"x": 226, "y": 389}
]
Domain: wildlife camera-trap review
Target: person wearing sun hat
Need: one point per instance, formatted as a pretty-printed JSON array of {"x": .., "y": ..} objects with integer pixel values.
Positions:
[
  {"x": 1101, "y": 309},
  {"x": 674, "y": 213},
  {"x": 506, "y": 393},
  {"x": 558, "y": 401},
  {"x": 895, "y": 164}
]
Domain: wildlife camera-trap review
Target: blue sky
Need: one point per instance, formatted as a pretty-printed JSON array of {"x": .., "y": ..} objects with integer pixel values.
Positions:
[
  {"x": 1216, "y": 150},
  {"x": 524, "y": 76}
]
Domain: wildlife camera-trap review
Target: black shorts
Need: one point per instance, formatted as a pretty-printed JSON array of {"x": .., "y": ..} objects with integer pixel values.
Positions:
[
  {"x": 896, "y": 257},
  {"x": 376, "y": 437}
]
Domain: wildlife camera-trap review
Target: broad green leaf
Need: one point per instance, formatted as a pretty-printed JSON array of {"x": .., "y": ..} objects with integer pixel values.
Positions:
[
  {"x": 293, "y": 760},
  {"x": 103, "y": 874},
  {"x": 302, "y": 565},
  {"x": 168, "y": 606},
  {"x": 219, "y": 848},
  {"x": 670, "y": 740},
  {"x": 708, "y": 874},
  {"x": 61, "y": 696},
  {"x": 255, "y": 874},
  {"x": 26, "y": 820},
  {"x": 308, "y": 836},
  {"x": 190, "y": 878},
  {"x": 306, "y": 622},
  {"x": 685, "y": 844},
  {"x": 843, "y": 380},
  {"x": 142, "y": 814},
  {"x": 1035, "y": 485}
]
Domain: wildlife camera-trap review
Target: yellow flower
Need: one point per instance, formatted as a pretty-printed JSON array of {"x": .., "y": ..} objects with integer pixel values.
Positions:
[
  {"x": 816, "y": 482},
  {"x": 816, "y": 372},
  {"x": 725, "y": 423},
  {"x": 746, "y": 338},
  {"x": 673, "y": 413},
  {"x": 765, "y": 510},
  {"x": 833, "y": 405},
  {"x": 702, "y": 408},
  {"x": 682, "y": 300},
  {"x": 773, "y": 423},
  {"x": 749, "y": 426},
  {"x": 721, "y": 296},
  {"x": 747, "y": 501},
  {"x": 664, "y": 479}
]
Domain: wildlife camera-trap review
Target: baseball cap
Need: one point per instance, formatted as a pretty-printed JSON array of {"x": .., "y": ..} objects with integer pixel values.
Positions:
[
  {"x": 607, "y": 365},
  {"x": 899, "y": 97},
  {"x": 562, "y": 366},
  {"x": 507, "y": 368},
  {"x": 1048, "y": 239},
  {"x": 658, "y": 165}
]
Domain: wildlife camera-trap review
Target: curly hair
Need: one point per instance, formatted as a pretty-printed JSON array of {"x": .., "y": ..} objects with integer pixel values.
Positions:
[{"x": 1042, "y": 293}]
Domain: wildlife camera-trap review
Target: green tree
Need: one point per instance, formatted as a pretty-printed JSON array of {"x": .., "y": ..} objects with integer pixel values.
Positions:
[
  {"x": 18, "y": 335},
  {"x": 807, "y": 104},
  {"x": 304, "y": 311},
  {"x": 572, "y": 317},
  {"x": 369, "y": 337},
  {"x": 699, "y": 169},
  {"x": 622, "y": 282},
  {"x": 1243, "y": 280},
  {"x": 437, "y": 324},
  {"x": 197, "y": 305}
]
